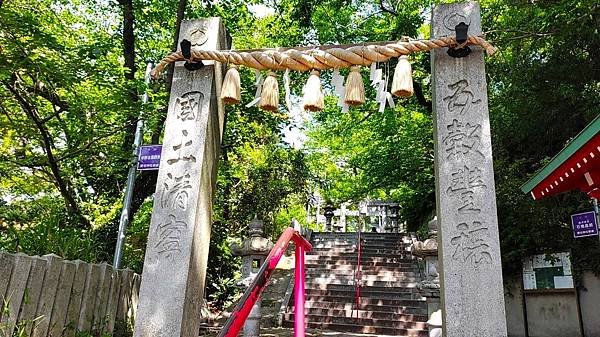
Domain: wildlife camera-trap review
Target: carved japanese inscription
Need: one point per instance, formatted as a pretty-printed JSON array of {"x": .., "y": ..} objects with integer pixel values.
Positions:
[
  {"x": 183, "y": 149},
  {"x": 187, "y": 107},
  {"x": 471, "y": 244},
  {"x": 462, "y": 139},
  {"x": 177, "y": 186},
  {"x": 175, "y": 191},
  {"x": 461, "y": 99},
  {"x": 169, "y": 236},
  {"x": 463, "y": 183}
]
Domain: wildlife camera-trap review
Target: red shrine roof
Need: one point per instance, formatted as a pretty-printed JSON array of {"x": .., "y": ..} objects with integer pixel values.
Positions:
[{"x": 577, "y": 166}]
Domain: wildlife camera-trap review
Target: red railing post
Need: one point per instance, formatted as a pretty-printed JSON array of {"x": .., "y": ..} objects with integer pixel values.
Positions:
[
  {"x": 299, "y": 293},
  {"x": 358, "y": 274},
  {"x": 241, "y": 311}
]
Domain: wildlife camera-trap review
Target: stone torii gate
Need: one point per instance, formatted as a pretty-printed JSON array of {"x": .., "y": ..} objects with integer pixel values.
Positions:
[{"x": 177, "y": 251}]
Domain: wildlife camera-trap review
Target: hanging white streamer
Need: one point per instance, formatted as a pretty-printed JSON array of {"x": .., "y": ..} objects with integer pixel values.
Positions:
[
  {"x": 373, "y": 70},
  {"x": 258, "y": 83},
  {"x": 390, "y": 100},
  {"x": 337, "y": 81},
  {"x": 379, "y": 82},
  {"x": 377, "y": 77},
  {"x": 259, "y": 77},
  {"x": 381, "y": 95}
]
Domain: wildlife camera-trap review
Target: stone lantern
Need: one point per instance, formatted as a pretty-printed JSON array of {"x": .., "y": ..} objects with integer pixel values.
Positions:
[
  {"x": 253, "y": 251},
  {"x": 328, "y": 213},
  {"x": 430, "y": 286},
  {"x": 393, "y": 227}
]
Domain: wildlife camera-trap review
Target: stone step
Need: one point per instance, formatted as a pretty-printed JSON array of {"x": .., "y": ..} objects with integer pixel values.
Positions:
[
  {"x": 404, "y": 321},
  {"x": 418, "y": 306},
  {"x": 366, "y": 283},
  {"x": 373, "y": 257},
  {"x": 354, "y": 249},
  {"x": 325, "y": 263},
  {"x": 352, "y": 288},
  {"x": 361, "y": 233},
  {"x": 364, "y": 277},
  {"x": 414, "y": 302},
  {"x": 364, "y": 294},
  {"x": 408, "y": 313},
  {"x": 354, "y": 237},
  {"x": 364, "y": 329},
  {"x": 389, "y": 303},
  {"x": 367, "y": 240},
  {"x": 364, "y": 267},
  {"x": 364, "y": 254},
  {"x": 363, "y": 271},
  {"x": 364, "y": 258},
  {"x": 364, "y": 241},
  {"x": 350, "y": 248}
]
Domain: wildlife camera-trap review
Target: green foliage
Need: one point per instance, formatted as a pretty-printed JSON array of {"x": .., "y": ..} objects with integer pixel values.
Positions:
[
  {"x": 544, "y": 88},
  {"x": 68, "y": 110}
]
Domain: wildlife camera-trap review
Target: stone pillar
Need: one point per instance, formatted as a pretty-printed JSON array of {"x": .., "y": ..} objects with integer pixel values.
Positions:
[
  {"x": 343, "y": 217},
  {"x": 172, "y": 285},
  {"x": 471, "y": 271},
  {"x": 394, "y": 208},
  {"x": 328, "y": 213},
  {"x": 384, "y": 220},
  {"x": 253, "y": 252}
]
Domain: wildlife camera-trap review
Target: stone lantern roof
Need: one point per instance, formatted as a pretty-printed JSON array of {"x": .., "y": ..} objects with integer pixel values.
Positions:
[{"x": 256, "y": 243}]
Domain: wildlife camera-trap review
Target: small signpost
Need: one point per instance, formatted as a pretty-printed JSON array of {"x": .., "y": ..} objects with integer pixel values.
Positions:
[
  {"x": 584, "y": 224},
  {"x": 149, "y": 157}
]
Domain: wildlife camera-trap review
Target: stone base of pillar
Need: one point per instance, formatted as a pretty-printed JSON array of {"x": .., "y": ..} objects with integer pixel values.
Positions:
[{"x": 252, "y": 324}]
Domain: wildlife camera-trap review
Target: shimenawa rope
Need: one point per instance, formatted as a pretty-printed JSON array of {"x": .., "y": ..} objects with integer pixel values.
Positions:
[{"x": 320, "y": 58}]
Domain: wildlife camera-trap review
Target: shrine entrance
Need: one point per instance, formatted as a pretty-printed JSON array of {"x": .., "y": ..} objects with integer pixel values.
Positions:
[{"x": 469, "y": 252}]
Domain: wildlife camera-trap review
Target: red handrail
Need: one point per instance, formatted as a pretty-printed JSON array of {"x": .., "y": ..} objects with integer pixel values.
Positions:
[
  {"x": 358, "y": 275},
  {"x": 241, "y": 311}
]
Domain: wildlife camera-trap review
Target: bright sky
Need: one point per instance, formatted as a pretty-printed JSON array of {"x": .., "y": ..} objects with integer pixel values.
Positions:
[{"x": 260, "y": 10}]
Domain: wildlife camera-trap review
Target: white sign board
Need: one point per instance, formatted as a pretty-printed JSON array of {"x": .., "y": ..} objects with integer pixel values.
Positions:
[{"x": 548, "y": 271}]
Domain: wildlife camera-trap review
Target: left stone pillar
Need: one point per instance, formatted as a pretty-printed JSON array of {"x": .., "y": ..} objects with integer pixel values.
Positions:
[{"x": 174, "y": 272}]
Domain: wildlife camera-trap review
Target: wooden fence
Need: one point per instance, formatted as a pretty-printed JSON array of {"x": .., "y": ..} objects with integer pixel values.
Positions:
[{"x": 51, "y": 297}]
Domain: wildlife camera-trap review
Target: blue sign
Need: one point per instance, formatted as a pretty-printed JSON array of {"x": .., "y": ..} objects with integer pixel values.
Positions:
[
  {"x": 149, "y": 157},
  {"x": 584, "y": 224}
]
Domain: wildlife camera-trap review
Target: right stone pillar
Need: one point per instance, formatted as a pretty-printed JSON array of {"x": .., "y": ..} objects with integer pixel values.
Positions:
[{"x": 472, "y": 296}]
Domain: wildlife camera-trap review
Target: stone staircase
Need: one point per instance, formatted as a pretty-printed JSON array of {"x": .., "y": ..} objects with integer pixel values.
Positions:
[{"x": 389, "y": 304}]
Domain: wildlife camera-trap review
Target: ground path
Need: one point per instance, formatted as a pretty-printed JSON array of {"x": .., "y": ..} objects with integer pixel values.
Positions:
[{"x": 283, "y": 332}]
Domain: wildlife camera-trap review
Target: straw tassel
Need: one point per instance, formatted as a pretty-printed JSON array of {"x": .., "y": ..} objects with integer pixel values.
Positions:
[
  {"x": 402, "y": 85},
  {"x": 230, "y": 91},
  {"x": 269, "y": 97},
  {"x": 355, "y": 88},
  {"x": 313, "y": 93}
]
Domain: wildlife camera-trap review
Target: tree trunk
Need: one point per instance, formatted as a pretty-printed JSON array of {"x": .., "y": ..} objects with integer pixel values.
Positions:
[
  {"x": 128, "y": 41},
  {"x": 47, "y": 144}
]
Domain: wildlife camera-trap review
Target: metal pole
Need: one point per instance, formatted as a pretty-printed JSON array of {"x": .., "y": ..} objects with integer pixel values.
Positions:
[
  {"x": 595, "y": 202},
  {"x": 124, "y": 220}
]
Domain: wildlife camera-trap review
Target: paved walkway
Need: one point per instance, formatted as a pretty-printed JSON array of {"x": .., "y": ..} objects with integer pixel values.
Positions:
[{"x": 283, "y": 332}]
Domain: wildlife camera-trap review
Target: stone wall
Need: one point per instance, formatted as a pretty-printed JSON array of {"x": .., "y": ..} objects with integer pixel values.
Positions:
[
  {"x": 553, "y": 313},
  {"x": 589, "y": 298},
  {"x": 48, "y": 296}
]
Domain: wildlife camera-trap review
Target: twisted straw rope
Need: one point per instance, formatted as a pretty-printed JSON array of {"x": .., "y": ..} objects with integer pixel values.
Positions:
[{"x": 320, "y": 58}]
